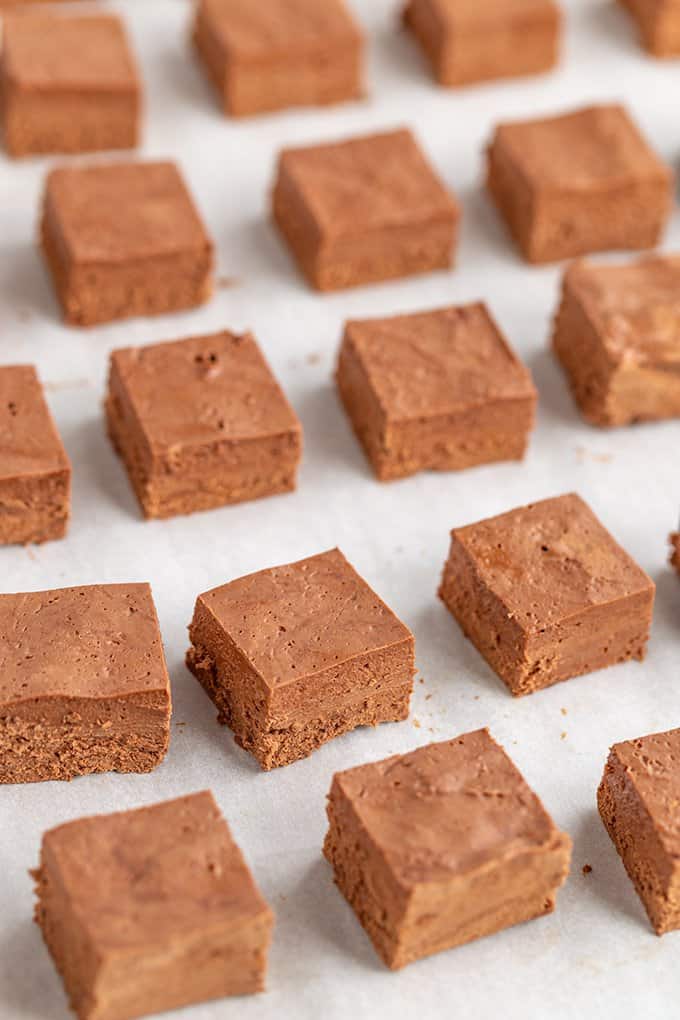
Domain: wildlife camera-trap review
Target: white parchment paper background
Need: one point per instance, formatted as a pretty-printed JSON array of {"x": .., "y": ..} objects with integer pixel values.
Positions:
[{"x": 596, "y": 954}]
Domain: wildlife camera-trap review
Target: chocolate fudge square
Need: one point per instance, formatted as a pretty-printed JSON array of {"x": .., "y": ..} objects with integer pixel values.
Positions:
[
  {"x": 638, "y": 802},
  {"x": 441, "y": 846},
  {"x": 438, "y": 390},
  {"x": 148, "y": 910},
  {"x": 282, "y": 53},
  {"x": 545, "y": 593},
  {"x": 617, "y": 336},
  {"x": 35, "y": 472},
  {"x": 364, "y": 210},
  {"x": 658, "y": 23},
  {"x": 582, "y": 182},
  {"x": 201, "y": 423},
  {"x": 83, "y": 683},
  {"x": 124, "y": 239},
  {"x": 296, "y": 655},
  {"x": 68, "y": 84},
  {"x": 467, "y": 42}
]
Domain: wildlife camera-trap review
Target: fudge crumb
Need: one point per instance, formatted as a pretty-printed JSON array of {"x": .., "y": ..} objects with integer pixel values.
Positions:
[
  {"x": 225, "y": 282},
  {"x": 563, "y": 735},
  {"x": 563, "y": 711},
  {"x": 427, "y": 697},
  {"x": 586, "y": 869},
  {"x": 599, "y": 458},
  {"x": 416, "y": 723},
  {"x": 313, "y": 359}
]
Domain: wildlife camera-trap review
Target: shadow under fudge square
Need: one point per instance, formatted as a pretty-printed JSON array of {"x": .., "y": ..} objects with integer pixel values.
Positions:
[
  {"x": 124, "y": 239},
  {"x": 581, "y": 182},
  {"x": 283, "y": 53},
  {"x": 201, "y": 423},
  {"x": 441, "y": 846},
  {"x": 151, "y": 909},
  {"x": 35, "y": 472},
  {"x": 364, "y": 210},
  {"x": 83, "y": 683},
  {"x": 658, "y": 23},
  {"x": 438, "y": 390},
  {"x": 468, "y": 42},
  {"x": 545, "y": 593},
  {"x": 638, "y": 802},
  {"x": 295, "y": 655},
  {"x": 69, "y": 84},
  {"x": 617, "y": 336}
]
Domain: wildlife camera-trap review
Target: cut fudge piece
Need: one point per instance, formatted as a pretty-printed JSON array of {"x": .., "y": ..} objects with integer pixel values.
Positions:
[
  {"x": 67, "y": 84},
  {"x": 617, "y": 335},
  {"x": 439, "y": 390},
  {"x": 364, "y": 210},
  {"x": 582, "y": 182},
  {"x": 675, "y": 550},
  {"x": 296, "y": 655},
  {"x": 83, "y": 683},
  {"x": 441, "y": 846},
  {"x": 278, "y": 54},
  {"x": 545, "y": 593},
  {"x": 658, "y": 22},
  {"x": 467, "y": 42},
  {"x": 35, "y": 473},
  {"x": 638, "y": 801},
  {"x": 201, "y": 423},
  {"x": 148, "y": 910},
  {"x": 124, "y": 239}
]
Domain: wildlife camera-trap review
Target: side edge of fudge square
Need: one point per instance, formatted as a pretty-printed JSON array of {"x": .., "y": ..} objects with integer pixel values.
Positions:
[
  {"x": 467, "y": 43},
  {"x": 581, "y": 182},
  {"x": 637, "y": 800},
  {"x": 545, "y": 593},
  {"x": 439, "y": 390},
  {"x": 55, "y": 100},
  {"x": 298, "y": 654},
  {"x": 83, "y": 683},
  {"x": 674, "y": 540},
  {"x": 149, "y": 910},
  {"x": 284, "y": 53},
  {"x": 617, "y": 336},
  {"x": 364, "y": 210},
  {"x": 443, "y": 845},
  {"x": 658, "y": 25},
  {"x": 35, "y": 472},
  {"x": 201, "y": 423},
  {"x": 122, "y": 240}
]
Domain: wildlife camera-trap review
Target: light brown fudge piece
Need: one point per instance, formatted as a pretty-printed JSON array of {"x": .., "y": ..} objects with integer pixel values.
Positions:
[
  {"x": 35, "y": 472},
  {"x": 148, "y": 910},
  {"x": 581, "y": 182},
  {"x": 438, "y": 390},
  {"x": 296, "y": 655},
  {"x": 83, "y": 683},
  {"x": 282, "y": 53},
  {"x": 658, "y": 23},
  {"x": 364, "y": 210},
  {"x": 545, "y": 593},
  {"x": 638, "y": 802},
  {"x": 67, "y": 84},
  {"x": 467, "y": 42},
  {"x": 124, "y": 239},
  {"x": 201, "y": 423},
  {"x": 441, "y": 846},
  {"x": 617, "y": 335}
]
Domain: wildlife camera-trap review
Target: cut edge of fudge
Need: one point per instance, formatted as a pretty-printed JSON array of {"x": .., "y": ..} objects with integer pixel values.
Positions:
[
  {"x": 674, "y": 559},
  {"x": 427, "y": 906},
  {"x": 645, "y": 842},
  {"x": 658, "y": 26}
]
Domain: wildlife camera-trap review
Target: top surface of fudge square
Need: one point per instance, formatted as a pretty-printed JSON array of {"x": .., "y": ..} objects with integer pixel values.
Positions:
[
  {"x": 252, "y": 31},
  {"x": 551, "y": 560},
  {"x": 462, "y": 14},
  {"x": 438, "y": 362},
  {"x": 447, "y": 809},
  {"x": 595, "y": 147},
  {"x": 634, "y": 308},
  {"x": 304, "y": 617},
  {"x": 652, "y": 765},
  {"x": 42, "y": 51},
  {"x": 29, "y": 442},
  {"x": 203, "y": 389},
  {"x": 137, "y": 878},
  {"x": 371, "y": 183},
  {"x": 100, "y": 641},
  {"x": 122, "y": 211}
]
